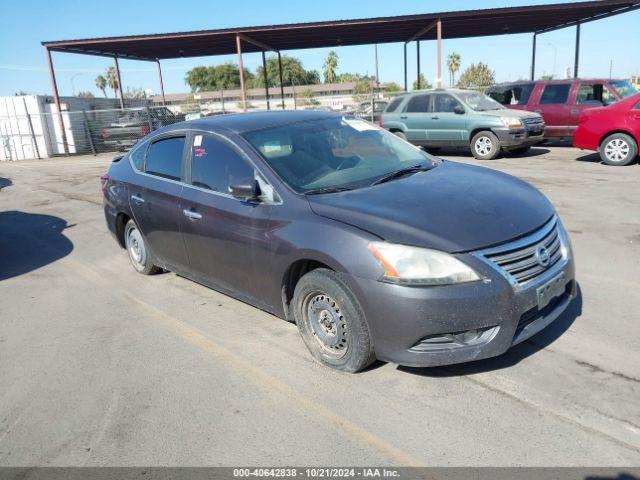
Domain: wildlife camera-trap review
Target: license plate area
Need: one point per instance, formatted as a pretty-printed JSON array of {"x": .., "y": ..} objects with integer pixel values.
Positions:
[{"x": 552, "y": 289}]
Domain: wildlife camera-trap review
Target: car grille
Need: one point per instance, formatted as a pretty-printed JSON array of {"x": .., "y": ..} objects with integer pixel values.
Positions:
[
  {"x": 533, "y": 121},
  {"x": 522, "y": 260}
]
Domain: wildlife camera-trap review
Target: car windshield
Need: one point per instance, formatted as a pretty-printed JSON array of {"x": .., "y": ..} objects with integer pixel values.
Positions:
[
  {"x": 335, "y": 153},
  {"x": 479, "y": 101},
  {"x": 624, "y": 88}
]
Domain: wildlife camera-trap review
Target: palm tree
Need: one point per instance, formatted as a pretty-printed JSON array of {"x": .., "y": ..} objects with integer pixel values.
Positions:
[
  {"x": 330, "y": 67},
  {"x": 453, "y": 64},
  {"x": 101, "y": 83},
  {"x": 112, "y": 80}
]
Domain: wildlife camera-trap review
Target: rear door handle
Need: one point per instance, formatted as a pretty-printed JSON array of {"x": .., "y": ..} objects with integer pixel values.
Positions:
[
  {"x": 137, "y": 199},
  {"x": 575, "y": 111},
  {"x": 192, "y": 215},
  {"x": 403, "y": 117},
  {"x": 435, "y": 117}
]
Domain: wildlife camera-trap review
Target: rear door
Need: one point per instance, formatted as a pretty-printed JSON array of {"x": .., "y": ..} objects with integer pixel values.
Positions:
[
  {"x": 155, "y": 200},
  {"x": 416, "y": 117},
  {"x": 226, "y": 238},
  {"x": 554, "y": 105},
  {"x": 444, "y": 126}
]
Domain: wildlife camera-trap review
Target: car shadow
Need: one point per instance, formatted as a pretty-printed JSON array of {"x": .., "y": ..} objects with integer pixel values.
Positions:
[
  {"x": 5, "y": 182},
  {"x": 592, "y": 157},
  {"x": 29, "y": 241},
  {"x": 464, "y": 152},
  {"x": 514, "y": 355}
]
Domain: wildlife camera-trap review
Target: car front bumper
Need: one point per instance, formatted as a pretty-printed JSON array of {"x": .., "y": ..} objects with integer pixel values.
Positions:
[
  {"x": 406, "y": 323},
  {"x": 513, "y": 139}
]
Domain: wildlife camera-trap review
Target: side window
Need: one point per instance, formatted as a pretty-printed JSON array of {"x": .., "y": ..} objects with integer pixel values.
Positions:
[
  {"x": 215, "y": 164},
  {"x": 637, "y": 106},
  {"x": 521, "y": 94},
  {"x": 555, "y": 94},
  {"x": 395, "y": 103},
  {"x": 418, "y": 104},
  {"x": 164, "y": 158},
  {"x": 445, "y": 104},
  {"x": 137, "y": 155}
]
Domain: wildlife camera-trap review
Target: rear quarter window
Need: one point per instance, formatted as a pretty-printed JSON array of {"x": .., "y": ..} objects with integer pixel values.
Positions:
[
  {"x": 137, "y": 155},
  {"x": 393, "y": 106},
  {"x": 164, "y": 158}
]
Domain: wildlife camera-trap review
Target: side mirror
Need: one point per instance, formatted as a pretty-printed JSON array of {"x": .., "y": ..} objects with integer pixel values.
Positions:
[
  {"x": 248, "y": 192},
  {"x": 459, "y": 110}
]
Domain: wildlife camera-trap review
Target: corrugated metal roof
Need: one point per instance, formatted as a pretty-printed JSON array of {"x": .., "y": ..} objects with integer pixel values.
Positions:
[{"x": 460, "y": 24}]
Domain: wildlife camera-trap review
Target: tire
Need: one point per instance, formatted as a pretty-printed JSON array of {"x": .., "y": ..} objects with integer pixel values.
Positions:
[
  {"x": 138, "y": 250},
  {"x": 519, "y": 151},
  {"x": 400, "y": 134},
  {"x": 485, "y": 145},
  {"x": 331, "y": 322},
  {"x": 618, "y": 150}
]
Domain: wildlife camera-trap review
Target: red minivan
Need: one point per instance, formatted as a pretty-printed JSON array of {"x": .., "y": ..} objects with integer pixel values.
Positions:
[{"x": 561, "y": 102}]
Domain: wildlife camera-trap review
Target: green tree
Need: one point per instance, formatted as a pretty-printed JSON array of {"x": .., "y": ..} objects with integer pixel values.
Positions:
[
  {"x": 353, "y": 77},
  {"x": 453, "y": 65},
  {"x": 217, "y": 77},
  {"x": 391, "y": 87},
  {"x": 478, "y": 75},
  {"x": 292, "y": 72},
  {"x": 85, "y": 94},
  {"x": 363, "y": 90},
  {"x": 112, "y": 80},
  {"x": 307, "y": 97},
  {"x": 424, "y": 83},
  {"x": 546, "y": 78},
  {"x": 331, "y": 67},
  {"x": 101, "y": 83}
]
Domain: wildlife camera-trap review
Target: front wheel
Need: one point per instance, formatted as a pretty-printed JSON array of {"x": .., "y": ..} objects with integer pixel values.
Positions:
[
  {"x": 618, "y": 149},
  {"x": 485, "y": 145},
  {"x": 400, "y": 134},
  {"x": 331, "y": 321},
  {"x": 137, "y": 250}
]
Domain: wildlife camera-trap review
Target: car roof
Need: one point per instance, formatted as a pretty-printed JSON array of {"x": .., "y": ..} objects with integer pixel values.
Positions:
[
  {"x": 245, "y": 122},
  {"x": 556, "y": 81},
  {"x": 440, "y": 90}
]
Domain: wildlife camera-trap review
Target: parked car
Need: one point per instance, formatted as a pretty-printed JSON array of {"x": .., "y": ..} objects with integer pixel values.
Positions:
[
  {"x": 439, "y": 118},
  {"x": 135, "y": 124},
  {"x": 561, "y": 102},
  {"x": 372, "y": 246},
  {"x": 613, "y": 131},
  {"x": 366, "y": 112}
]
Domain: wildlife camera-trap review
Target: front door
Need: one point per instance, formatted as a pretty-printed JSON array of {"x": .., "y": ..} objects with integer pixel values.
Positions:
[
  {"x": 445, "y": 126},
  {"x": 226, "y": 238},
  {"x": 155, "y": 201}
]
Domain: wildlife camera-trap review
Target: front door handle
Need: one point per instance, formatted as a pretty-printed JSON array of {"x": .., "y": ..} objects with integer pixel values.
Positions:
[
  {"x": 137, "y": 199},
  {"x": 575, "y": 111},
  {"x": 435, "y": 117},
  {"x": 404, "y": 117},
  {"x": 192, "y": 215}
]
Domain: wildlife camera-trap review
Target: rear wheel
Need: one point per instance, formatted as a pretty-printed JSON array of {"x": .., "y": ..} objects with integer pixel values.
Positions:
[
  {"x": 485, "y": 145},
  {"x": 618, "y": 149},
  {"x": 400, "y": 134},
  {"x": 137, "y": 250},
  {"x": 331, "y": 321}
]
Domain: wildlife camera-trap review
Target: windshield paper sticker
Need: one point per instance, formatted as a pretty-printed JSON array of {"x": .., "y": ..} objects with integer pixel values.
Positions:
[{"x": 359, "y": 125}]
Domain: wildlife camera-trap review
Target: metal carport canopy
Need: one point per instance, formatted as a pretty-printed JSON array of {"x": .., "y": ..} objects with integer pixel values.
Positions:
[{"x": 460, "y": 24}]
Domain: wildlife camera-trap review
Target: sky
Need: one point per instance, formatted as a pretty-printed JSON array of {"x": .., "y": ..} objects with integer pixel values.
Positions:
[{"x": 611, "y": 43}]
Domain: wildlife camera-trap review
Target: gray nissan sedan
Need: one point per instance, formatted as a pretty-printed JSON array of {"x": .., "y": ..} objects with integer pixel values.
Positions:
[{"x": 374, "y": 248}]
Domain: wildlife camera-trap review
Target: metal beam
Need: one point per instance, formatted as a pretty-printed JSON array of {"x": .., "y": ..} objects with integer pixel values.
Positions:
[
  {"x": 241, "y": 69},
  {"x": 426, "y": 29},
  {"x": 406, "y": 88},
  {"x": 576, "y": 65},
  {"x": 56, "y": 97},
  {"x": 258, "y": 44},
  {"x": 161, "y": 82},
  {"x": 119, "y": 83},
  {"x": 439, "y": 35},
  {"x": 533, "y": 57},
  {"x": 418, "y": 64},
  {"x": 281, "y": 82},
  {"x": 266, "y": 79}
]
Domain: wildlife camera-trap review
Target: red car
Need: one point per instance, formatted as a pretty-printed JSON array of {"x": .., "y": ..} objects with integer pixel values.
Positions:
[{"x": 614, "y": 131}]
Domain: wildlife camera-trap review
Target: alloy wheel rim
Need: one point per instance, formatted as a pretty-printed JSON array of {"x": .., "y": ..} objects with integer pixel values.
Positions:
[
  {"x": 483, "y": 146},
  {"x": 328, "y": 324},
  {"x": 616, "y": 150}
]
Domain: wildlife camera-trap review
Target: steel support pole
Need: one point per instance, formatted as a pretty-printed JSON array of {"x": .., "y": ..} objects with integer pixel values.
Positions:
[
  {"x": 161, "y": 82},
  {"x": 406, "y": 87},
  {"x": 418, "y": 64},
  {"x": 576, "y": 66},
  {"x": 56, "y": 97},
  {"x": 241, "y": 69},
  {"x": 281, "y": 81},
  {"x": 119, "y": 83},
  {"x": 266, "y": 79},
  {"x": 439, "y": 32},
  {"x": 533, "y": 57}
]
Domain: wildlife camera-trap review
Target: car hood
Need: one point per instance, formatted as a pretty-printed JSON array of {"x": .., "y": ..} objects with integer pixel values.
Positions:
[
  {"x": 513, "y": 113},
  {"x": 453, "y": 208}
]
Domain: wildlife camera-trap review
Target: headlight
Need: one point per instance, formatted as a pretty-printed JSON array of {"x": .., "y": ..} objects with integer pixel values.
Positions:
[
  {"x": 420, "y": 266},
  {"x": 511, "y": 122}
]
